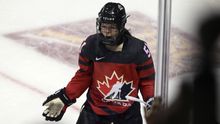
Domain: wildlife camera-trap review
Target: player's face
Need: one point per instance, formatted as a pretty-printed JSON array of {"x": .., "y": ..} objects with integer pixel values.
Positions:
[{"x": 109, "y": 30}]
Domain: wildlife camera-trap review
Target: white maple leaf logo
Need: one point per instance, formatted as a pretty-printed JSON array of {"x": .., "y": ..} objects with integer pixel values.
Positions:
[{"x": 115, "y": 87}]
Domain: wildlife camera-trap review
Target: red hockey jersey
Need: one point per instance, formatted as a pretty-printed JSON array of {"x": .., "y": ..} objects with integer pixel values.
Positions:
[{"x": 111, "y": 76}]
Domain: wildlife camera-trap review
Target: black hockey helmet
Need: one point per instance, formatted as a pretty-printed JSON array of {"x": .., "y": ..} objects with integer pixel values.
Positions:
[{"x": 112, "y": 13}]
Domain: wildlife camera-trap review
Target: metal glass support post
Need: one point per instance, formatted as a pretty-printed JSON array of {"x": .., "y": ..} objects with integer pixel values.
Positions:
[{"x": 162, "y": 67}]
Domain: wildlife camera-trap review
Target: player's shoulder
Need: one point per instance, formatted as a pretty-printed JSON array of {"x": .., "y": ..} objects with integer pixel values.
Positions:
[
  {"x": 136, "y": 42},
  {"x": 89, "y": 46},
  {"x": 141, "y": 48},
  {"x": 91, "y": 39}
]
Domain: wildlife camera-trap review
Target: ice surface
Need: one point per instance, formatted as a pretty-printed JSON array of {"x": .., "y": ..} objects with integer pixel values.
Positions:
[{"x": 27, "y": 76}]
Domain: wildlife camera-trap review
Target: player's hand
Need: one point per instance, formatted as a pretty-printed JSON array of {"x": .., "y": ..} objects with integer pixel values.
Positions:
[
  {"x": 55, "y": 109},
  {"x": 154, "y": 106},
  {"x": 57, "y": 104}
]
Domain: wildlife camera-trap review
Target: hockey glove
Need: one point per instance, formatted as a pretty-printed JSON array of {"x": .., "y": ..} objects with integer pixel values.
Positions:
[
  {"x": 57, "y": 104},
  {"x": 153, "y": 106}
]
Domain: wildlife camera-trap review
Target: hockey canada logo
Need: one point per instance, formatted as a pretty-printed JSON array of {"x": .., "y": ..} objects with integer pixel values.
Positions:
[{"x": 115, "y": 88}]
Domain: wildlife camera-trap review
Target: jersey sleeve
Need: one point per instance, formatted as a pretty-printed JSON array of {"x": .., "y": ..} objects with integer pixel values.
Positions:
[
  {"x": 83, "y": 77},
  {"x": 146, "y": 73}
]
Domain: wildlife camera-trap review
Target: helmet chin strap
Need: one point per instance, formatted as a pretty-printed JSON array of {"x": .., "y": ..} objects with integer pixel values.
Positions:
[
  {"x": 115, "y": 48},
  {"x": 109, "y": 40},
  {"x": 112, "y": 41}
]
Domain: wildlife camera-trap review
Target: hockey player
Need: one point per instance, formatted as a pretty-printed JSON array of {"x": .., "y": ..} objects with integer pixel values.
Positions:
[{"x": 113, "y": 64}]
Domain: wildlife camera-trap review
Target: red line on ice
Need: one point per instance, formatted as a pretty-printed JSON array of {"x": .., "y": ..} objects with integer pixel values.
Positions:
[{"x": 27, "y": 86}]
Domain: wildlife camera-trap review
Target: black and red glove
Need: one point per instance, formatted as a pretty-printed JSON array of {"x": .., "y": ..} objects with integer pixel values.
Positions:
[{"x": 57, "y": 104}]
